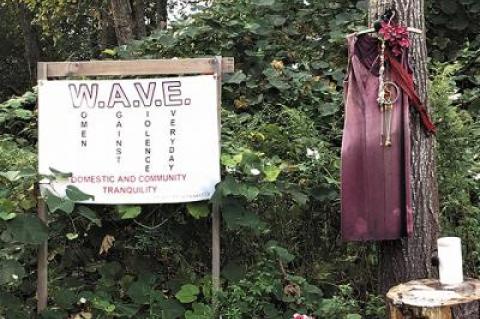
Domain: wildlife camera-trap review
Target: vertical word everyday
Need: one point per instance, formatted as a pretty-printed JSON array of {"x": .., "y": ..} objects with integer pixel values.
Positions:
[{"x": 171, "y": 147}]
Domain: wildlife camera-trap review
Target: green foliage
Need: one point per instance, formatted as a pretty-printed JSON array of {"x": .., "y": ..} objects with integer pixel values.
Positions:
[
  {"x": 268, "y": 291},
  {"x": 450, "y": 24},
  {"x": 129, "y": 212},
  {"x": 458, "y": 164},
  {"x": 14, "y": 76},
  {"x": 198, "y": 210},
  {"x": 279, "y": 194},
  {"x": 187, "y": 293}
]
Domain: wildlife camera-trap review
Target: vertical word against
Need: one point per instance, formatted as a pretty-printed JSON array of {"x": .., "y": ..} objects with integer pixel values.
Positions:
[{"x": 118, "y": 136}]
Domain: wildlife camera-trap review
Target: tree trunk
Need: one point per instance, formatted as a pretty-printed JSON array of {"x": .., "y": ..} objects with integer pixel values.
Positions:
[
  {"x": 410, "y": 258},
  {"x": 32, "y": 51},
  {"x": 139, "y": 10},
  {"x": 162, "y": 13},
  {"x": 428, "y": 299},
  {"x": 122, "y": 17},
  {"x": 106, "y": 37}
]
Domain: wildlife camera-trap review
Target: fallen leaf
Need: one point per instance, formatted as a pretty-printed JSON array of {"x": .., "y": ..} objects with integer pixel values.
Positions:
[
  {"x": 107, "y": 243},
  {"x": 277, "y": 65},
  {"x": 292, "y": 290}
]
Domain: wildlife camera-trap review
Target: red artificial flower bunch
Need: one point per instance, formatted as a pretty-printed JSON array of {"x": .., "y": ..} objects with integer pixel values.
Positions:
[{"x": 395, "y": 36}]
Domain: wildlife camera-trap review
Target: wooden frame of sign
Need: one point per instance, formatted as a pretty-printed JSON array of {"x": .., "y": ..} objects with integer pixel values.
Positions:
[{"x": 216, "y": 66}]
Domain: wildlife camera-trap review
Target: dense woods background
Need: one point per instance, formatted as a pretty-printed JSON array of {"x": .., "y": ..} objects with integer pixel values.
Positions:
[{"x": 282, "y": 116}]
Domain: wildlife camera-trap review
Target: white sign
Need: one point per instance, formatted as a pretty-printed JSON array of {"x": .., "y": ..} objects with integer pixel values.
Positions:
[{"x": 132, "y": 141}]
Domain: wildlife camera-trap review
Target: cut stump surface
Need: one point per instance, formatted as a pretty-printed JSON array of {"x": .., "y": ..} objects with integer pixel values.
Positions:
[{"x": 428, "y": 299}]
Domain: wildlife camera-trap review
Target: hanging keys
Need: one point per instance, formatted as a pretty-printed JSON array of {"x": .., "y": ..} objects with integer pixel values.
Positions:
[{"x": 391, "y": 95}]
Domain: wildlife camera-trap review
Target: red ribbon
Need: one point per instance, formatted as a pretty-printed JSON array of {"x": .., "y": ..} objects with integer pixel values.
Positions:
[{"x": 405, "y": 81}]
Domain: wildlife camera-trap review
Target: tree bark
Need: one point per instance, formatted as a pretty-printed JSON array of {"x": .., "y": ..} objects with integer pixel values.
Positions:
[
  {"x": 410, "y": 258},
  {"x": 32, "y": 51},
  {"x": 427, "y": 299},
  {"x": 161, "y": 13},
  {"x": 122, "y": 17},
  {"x": 106, "y": 37},
  {"x": 139, "y": 10}
]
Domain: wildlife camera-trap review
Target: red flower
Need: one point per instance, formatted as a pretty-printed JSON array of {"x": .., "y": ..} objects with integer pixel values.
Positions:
[
  {"x": 395, "y": 36},
  {"x": 404, "y": 43}
]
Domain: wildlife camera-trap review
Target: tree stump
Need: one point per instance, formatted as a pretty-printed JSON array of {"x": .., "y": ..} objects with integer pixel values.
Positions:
[{"x": 428, "y": 299}]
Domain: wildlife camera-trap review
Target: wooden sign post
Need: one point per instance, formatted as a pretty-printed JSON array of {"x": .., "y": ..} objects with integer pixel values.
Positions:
[{"x": 155, "y": 95}]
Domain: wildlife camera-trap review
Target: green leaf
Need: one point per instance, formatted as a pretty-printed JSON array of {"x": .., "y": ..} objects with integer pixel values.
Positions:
[
  {"x": 320, "y": 65},
  {"x": 101, "y": 303},
  {"x": 200, "y": 311},
  {"x": 168, "y": 309},
  {"x": 140, "y": 292},
  {"x": 30, "y": 97},
  {"x": 11, "y": 272},
  {"x": 109, "y": 52},
  {"x": 299, "y": 197},
  {"x": 10, "y": 175},
  {"x": 65, "y": 298},
  {"x": 198, "y": 210},
  {"x": 187, "y": 294},
  {"x": 237, "y": 78},
  {"x": 59, "y": 174},
  {"x": 129, "y": 212},
  {"x": 312, "y": 291},
  {"x": 279, "y": 84},
  {"x": 14, "y": 176},
  {"x": 271, "y": 173},
  {"x": 27, "y": 229},
  {"x": 23, "y": 114},
  {"x": 280, "y": 252},
  {"x": 76, "y": 195},
  {"x": 277, "y": 20},
  {"x": 90, "y": 215},
  {"x": 128, "y": 310},
  {"x": 55, "y": 203},
  {"x": 448, "y": 6},
  {"x": 71, "y": 236},
  {"x": 231, "y": 160},
  {"x": 354, "y": 316},
  {"x": 234, "y": 271},
  {"x": 231, "y": 186},
  {"x": 7, "y": 216},
  {"x": 235, "y": 216},
  {"x": 264, "y": 3},
  {"x": 271, "y": 312}
]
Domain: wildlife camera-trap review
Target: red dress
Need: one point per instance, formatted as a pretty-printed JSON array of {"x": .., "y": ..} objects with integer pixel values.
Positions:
[{"x": 375, "y": 180}]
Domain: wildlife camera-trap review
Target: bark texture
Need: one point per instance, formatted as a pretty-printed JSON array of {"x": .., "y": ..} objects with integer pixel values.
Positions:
[
  {"x": 106, "y": 37},
  {"x": 32, "y": 51},
  {"x": 428, "y": 299},
  {"x": 122, "y": 16},
  {"x": 162, "y": 13},
  {"x": 139, "y": 10},
  {"x": 407, "y": 259}
]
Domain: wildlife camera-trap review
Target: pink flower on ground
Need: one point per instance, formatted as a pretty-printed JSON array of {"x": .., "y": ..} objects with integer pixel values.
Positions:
[{"x": 299, "y": 316}]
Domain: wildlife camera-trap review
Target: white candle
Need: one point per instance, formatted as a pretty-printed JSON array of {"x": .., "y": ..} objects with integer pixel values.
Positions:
[{"x": 450, "y": 258}]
